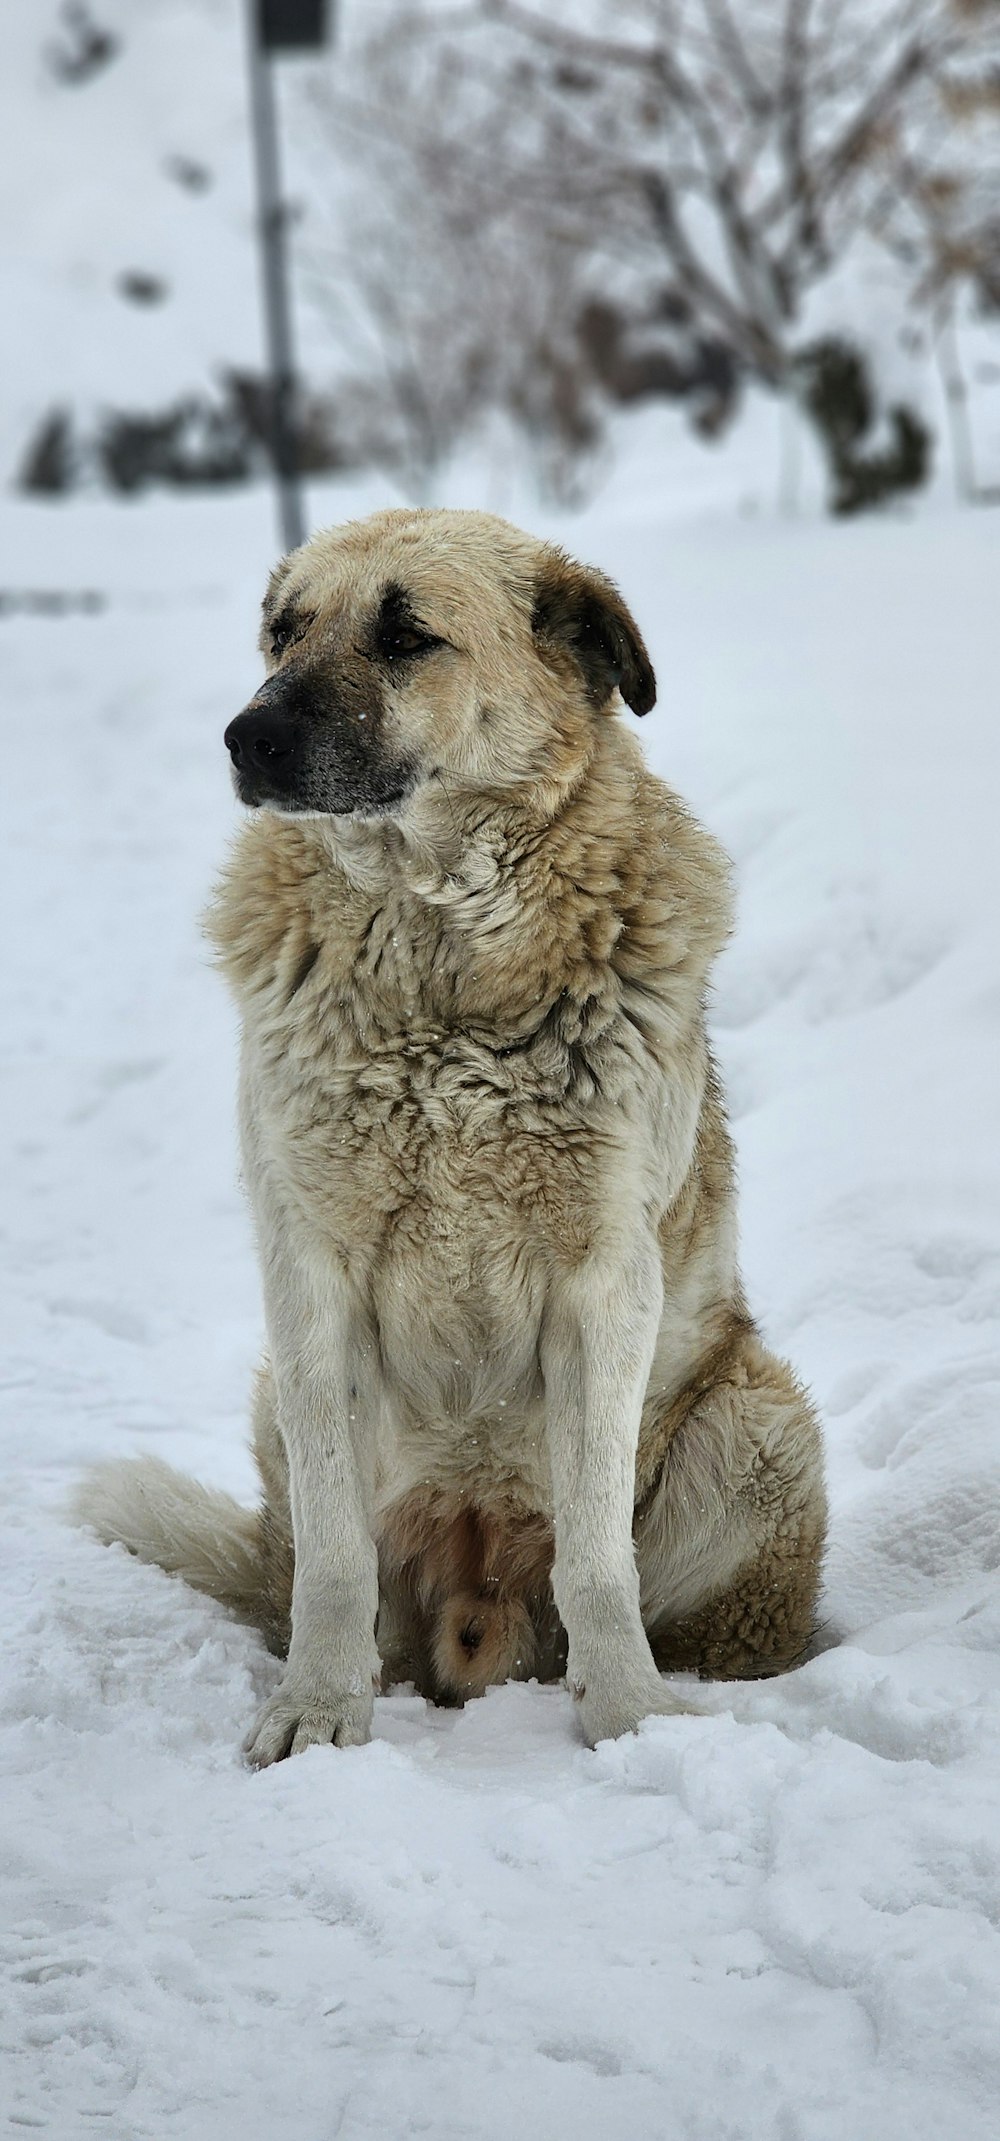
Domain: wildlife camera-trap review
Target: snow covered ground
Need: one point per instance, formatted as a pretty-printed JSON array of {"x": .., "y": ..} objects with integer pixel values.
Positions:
[{"x": 775, "y": 1919}]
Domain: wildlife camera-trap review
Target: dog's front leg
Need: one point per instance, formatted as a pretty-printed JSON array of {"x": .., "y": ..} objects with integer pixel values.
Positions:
[
  {"x": 326, "y": 1374},
  {"x": 597, "y": 1344}
]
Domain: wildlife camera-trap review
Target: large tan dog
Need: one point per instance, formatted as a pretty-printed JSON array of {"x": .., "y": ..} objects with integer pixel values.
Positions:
[{"x": 516, "y": 1418}]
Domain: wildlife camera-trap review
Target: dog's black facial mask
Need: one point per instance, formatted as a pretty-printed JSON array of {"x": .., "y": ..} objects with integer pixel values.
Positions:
[
  {"x": 314, "y": 740},
  {"x": 313, "y": 737}
]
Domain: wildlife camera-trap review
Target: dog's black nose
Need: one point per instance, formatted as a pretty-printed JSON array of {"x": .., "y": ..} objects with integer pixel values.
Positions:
[{"x": 258, "y": 741}]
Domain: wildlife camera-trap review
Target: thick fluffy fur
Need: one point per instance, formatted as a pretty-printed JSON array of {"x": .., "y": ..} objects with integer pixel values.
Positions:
[{"x": 515, "y": 1409}]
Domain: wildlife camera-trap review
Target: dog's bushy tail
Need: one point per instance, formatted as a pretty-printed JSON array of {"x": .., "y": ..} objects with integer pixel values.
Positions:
[{"x": 178, "y": 1525}]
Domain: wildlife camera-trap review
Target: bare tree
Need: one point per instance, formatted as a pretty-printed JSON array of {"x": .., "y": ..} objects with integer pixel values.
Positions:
[
  {"x": 536, "y": 181},
  {"x": 728, "y": 149},
  {"x": 943, "y": 219},
  {"x": 443, "y": 309},
  {"x": 945, "y": 158}
]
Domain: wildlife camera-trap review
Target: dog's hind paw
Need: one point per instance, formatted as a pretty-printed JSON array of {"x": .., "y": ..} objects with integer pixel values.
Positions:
[{"x": 291, "y": 1722}]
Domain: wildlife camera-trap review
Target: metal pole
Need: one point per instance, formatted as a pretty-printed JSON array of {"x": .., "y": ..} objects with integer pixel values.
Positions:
[{"x": 272, "y": 216}]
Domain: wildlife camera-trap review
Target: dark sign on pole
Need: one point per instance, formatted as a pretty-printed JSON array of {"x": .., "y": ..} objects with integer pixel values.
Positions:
[{"x": 291, "y": 25}]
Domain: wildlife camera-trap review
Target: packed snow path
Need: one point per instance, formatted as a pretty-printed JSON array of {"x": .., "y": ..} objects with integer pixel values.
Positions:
[{"x": 775, "y": 1919}]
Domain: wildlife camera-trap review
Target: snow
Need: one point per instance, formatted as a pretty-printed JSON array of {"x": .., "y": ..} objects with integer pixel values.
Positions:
[{"x": 777, "y": 1918}]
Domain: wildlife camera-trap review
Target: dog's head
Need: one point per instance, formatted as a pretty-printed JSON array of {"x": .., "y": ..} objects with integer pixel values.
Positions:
[{"x": 420, "y": 647}]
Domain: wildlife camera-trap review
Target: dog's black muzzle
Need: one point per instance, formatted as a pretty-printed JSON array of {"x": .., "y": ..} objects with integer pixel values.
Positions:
[
  {"x": 265, "y": 745},
  {"x": 300, "y": 746}
]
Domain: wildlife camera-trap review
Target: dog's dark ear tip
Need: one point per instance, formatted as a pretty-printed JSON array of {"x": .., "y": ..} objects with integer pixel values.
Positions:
[
  {"x": 640, "y": 697},
  {"x": 583, "y": 612}
]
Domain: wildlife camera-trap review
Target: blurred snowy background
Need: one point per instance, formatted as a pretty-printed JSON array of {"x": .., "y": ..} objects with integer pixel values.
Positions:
[
  {"x": 510, "y": 224},
  {"x": 710, "y": 291}
]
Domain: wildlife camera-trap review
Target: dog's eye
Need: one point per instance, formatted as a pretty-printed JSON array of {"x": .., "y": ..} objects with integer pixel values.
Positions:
[
  {"x": 288, "y": 628},
  {"x": 402, "y": 640}
]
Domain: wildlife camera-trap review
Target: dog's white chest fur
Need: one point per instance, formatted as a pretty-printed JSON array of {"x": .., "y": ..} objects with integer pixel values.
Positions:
[
  {"x": 446, "y": 1162},
  {"x": 427, "y": 1170}
]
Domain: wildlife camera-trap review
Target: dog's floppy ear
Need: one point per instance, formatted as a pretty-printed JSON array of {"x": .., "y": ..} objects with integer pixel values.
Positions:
[{"x": 580, "y": 611}]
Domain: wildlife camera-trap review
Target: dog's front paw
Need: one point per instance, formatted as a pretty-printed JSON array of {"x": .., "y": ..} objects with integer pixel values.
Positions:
[
  {"x": 296, "y": 1718},
  {"x": 608, "y": 1709}
]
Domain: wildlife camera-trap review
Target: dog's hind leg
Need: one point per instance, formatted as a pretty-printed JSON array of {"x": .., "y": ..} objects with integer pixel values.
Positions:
[
  {"x": 465, "y": 1595},
  {"x": 402, "y": 1633},
  {"x": 729, "y": 1538}
]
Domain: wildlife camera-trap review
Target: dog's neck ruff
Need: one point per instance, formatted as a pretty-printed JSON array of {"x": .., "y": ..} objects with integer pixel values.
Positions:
[{"x": 518, "y": 931}]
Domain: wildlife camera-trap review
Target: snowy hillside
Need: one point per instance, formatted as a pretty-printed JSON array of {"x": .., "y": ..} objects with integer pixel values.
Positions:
[{"x": 776, "y": 1918}]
